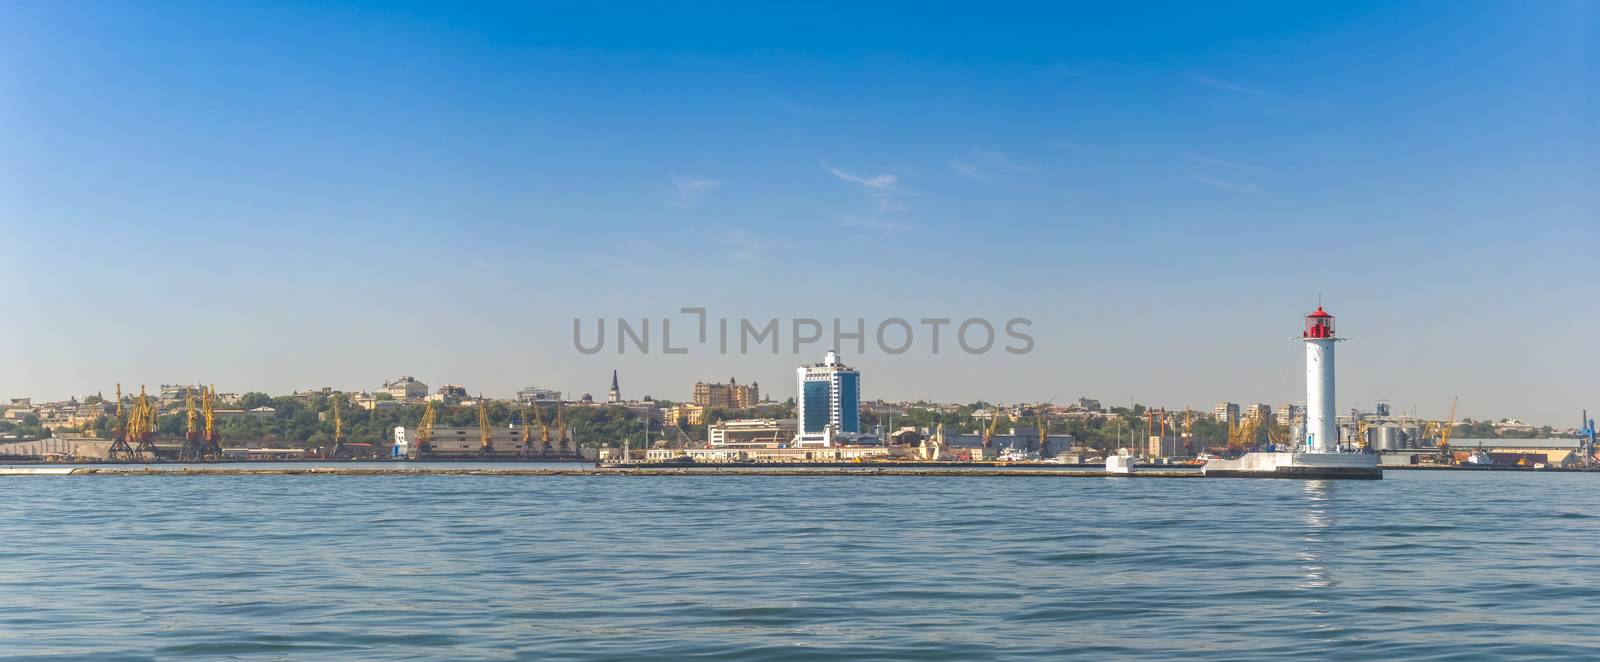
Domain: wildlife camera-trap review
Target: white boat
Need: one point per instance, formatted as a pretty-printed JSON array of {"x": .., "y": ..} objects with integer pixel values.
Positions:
[{"x": 1018, "y": 455}]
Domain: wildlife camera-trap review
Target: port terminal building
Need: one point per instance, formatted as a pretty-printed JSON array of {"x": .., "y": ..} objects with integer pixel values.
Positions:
[{"x": 1531, "y": 453}]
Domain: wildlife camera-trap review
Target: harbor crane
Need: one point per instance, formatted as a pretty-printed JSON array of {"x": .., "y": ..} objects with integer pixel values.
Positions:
[
  {"x": 211, "y": 446},
  {"x": 1586, "y": 432},
  {"x": 146, "y": 415},
  {"x": 1188, "y": 432},
  {"x": 1044, "y": 425},
  {"x": 1243, "y": 433},
  {"x": 1444, "y": 433},
  {"x": 527, "y": 434},
  {"x": 425, "y": 431},
  {"x": 486, "y": 444},
  {"x": 544, "y": 430},
  {"x": 994, "y": 422},
  {"x": 119, "y": 450},
  {"x": 561, "y": 427},
  {"x": 338, "y": 429},
  {"x": 191, "y": 430}
]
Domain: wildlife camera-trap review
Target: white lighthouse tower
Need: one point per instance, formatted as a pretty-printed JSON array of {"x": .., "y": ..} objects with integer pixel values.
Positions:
[
  {"x": 1319, "y": 456},
  {"x": 1322, "y": 433}
]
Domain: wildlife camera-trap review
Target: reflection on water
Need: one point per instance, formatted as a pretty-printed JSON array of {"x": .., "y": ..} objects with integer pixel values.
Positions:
[
  {"x": 572, "y": 567},
  {"x": 1315, "y": 521}
]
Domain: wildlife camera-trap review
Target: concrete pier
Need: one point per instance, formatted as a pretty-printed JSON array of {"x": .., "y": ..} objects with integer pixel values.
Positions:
[{"x": 742, "y": 470}]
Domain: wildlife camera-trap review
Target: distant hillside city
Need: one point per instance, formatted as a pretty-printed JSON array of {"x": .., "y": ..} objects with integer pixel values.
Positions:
[{"x": 713, "y": 411}]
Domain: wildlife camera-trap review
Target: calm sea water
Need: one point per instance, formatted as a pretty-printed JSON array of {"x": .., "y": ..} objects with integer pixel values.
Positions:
[{"x": 1419, "y": 565}]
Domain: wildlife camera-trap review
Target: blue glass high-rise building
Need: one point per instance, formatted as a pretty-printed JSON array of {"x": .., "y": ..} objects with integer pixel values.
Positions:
[{"x": 829, "y": 402}]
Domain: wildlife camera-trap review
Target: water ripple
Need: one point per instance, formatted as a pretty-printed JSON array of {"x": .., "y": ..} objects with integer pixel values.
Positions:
[{"x": 1422, "y": 565}]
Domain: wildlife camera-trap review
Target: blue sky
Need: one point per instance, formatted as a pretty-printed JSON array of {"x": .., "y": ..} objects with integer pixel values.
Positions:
[{"x": 280, "y": 196}]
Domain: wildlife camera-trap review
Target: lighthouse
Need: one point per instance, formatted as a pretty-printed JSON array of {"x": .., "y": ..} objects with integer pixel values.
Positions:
[
  {"x": 1322, "y": 433},
  {"x": 1319, "y": 456}
]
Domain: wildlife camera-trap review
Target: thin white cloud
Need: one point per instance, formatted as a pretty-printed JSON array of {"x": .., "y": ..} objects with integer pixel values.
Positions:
[
  {"x": 883, "y": 182},
  {"x": 687, "y": 191},
  {"x": 883, "y": 189},
  {"x": 873, "y": 223},
  {"x": 1226, "y": 186},
  {"x": 1219, "y": 162},
  {"x": 1235, "y": 87},
  {"x": 970, "y": 170}
]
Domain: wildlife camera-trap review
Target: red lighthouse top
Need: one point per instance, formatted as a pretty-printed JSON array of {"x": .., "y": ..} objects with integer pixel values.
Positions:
[{"x": 1319, "y": 324}]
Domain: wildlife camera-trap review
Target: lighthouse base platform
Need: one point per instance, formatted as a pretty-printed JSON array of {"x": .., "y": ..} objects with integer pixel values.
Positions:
[{"x": 1360, "y": 466}]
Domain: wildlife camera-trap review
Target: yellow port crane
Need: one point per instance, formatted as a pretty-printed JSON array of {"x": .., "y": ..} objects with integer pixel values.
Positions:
[
  {"x": 1044, "y": 425},
  {"x": 425, "y": 431},
  {"x": 527, "y": 435},
  {"x": 119, "y": 450},
  {"x": 486, "y": 447},
  {"x": 1044, "y": 430},
  {"x": 191, "y": 429},
  {"x": 561, "y": 427},
  {"x": 1444, "y": 433},
  {"x": 994, "y": 422},
  {"x": 1243, "y": 433},
  {"x": 146, "y": 415},
  {"x": 211, "y": 449},
  {"x": 338, "y": 429},
  {"x": 544, "y": 430}
]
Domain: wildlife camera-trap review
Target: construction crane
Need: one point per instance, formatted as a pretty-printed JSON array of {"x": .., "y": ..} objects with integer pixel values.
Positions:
[
  {"x": 486, "y": 447},
  {"x": 1360, "y": 438},
  {"x": 338, "y": 429},
  {"x": 1444, "y": 434},
  {"x": 425, "y": 431},
  {"x": 561, "y": 427},
  {"x": 527, "y": 435},
  {"x": 211, "y": 449},
  {"x": 191, "y": 430},
  {"x": 1188, "y": 432},
  {"x": 994, "y": 422},
  {"x": 1586, "y": 434},
  {"x": 119, "y": 449},
  {"x": 544, "y": 430},
  {"x": 146, "y": 415},
  {"x": 1044, "y": 425},
  {"x": 1044, "y": 430},
  {"x": 1243, "y": 433}
]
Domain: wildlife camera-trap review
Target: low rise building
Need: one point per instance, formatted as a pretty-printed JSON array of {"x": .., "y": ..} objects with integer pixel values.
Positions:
[
  {"x": 762, "y": 454},
  {"x": 406, "y": 388},
  {"x": 534, "y": 394},
  {"x": 682, "y": 414},
  {"x": 450, "y": 394},
  {"x": 751, "y": 432}
]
